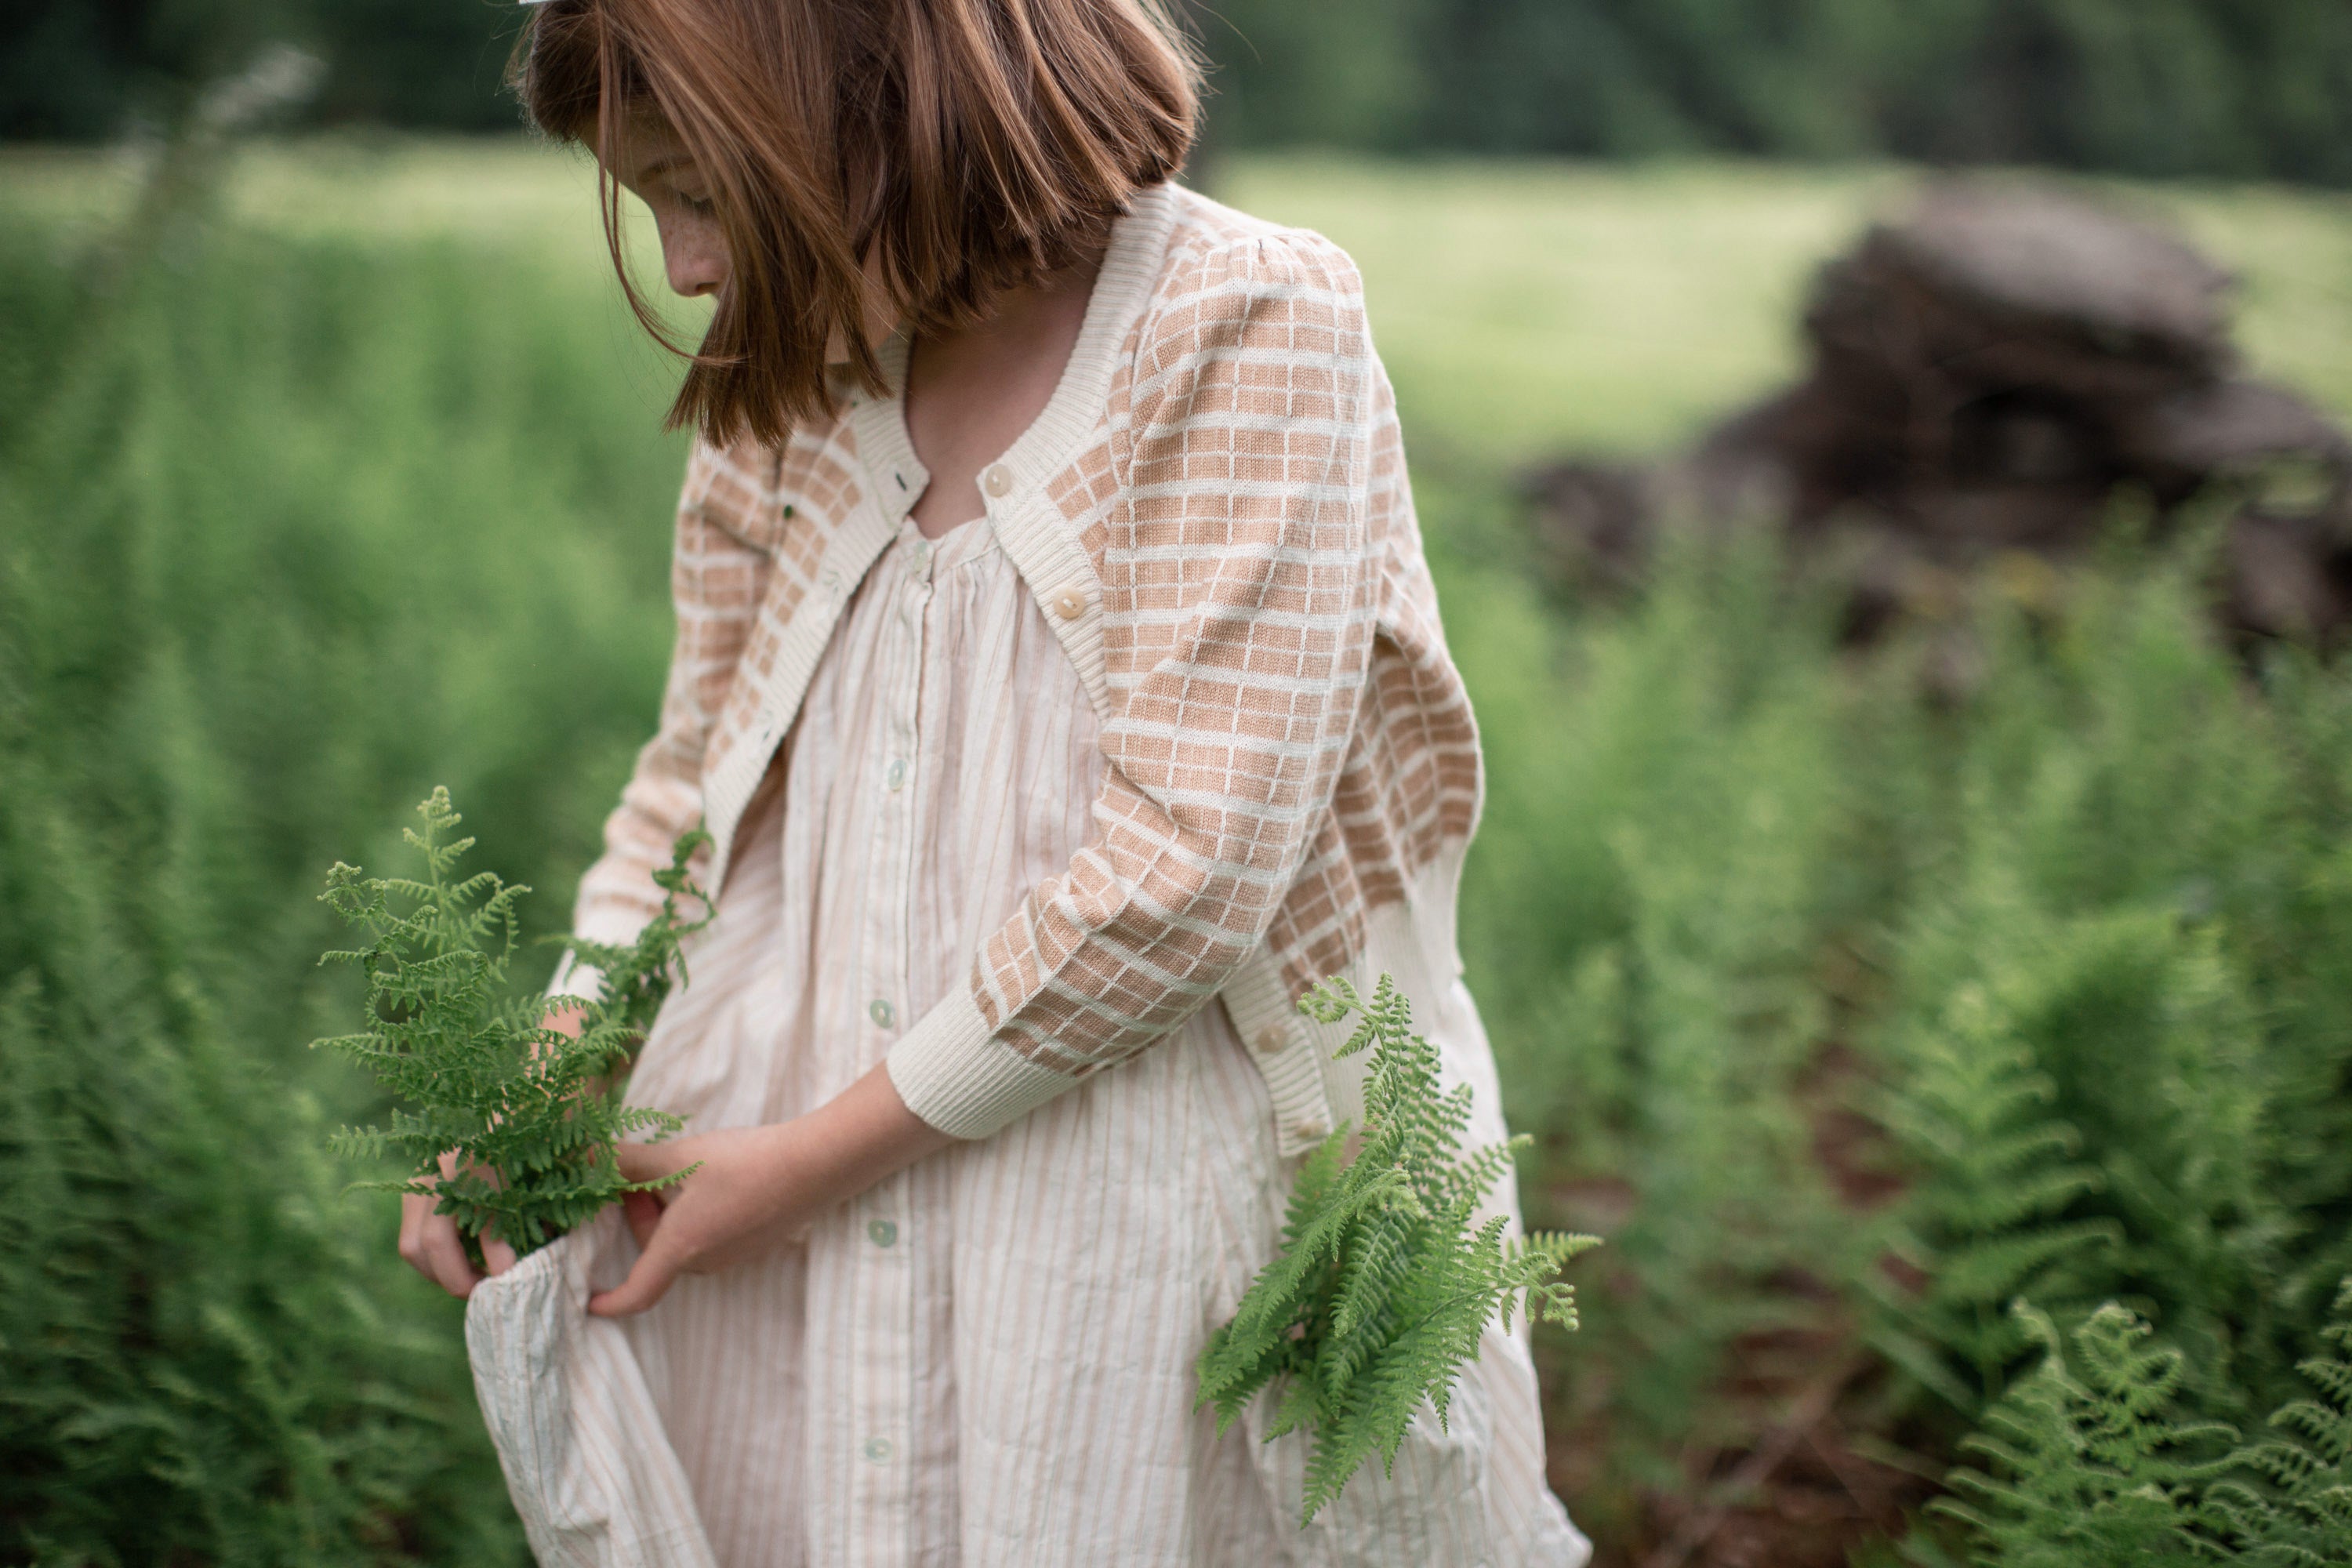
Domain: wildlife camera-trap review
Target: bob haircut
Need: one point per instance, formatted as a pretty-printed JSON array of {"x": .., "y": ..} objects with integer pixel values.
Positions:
[{"x": 968, "y": 146}]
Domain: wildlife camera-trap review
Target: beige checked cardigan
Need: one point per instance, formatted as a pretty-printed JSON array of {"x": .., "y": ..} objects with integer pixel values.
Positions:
[{"x": 1214, "y": 514}]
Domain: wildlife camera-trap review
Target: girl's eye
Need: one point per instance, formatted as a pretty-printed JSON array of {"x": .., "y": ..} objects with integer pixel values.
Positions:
[{"x": 698, "y": 205}]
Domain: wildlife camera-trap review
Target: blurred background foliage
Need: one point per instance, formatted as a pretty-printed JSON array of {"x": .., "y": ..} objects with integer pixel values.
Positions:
[{"x": 2244, "y": 89}]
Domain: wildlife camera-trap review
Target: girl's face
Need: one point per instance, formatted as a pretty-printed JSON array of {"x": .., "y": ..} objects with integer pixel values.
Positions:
[{"x": 656, "y": 167}]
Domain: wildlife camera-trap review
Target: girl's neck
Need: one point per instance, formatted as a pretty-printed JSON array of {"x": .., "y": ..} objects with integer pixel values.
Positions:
[{"x": 972, "y": 393}]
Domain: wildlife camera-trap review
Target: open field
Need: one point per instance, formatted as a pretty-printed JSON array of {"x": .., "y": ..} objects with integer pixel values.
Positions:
[
  {"x": 1522, "y": 308},
  {"x": 352, "y": 484}
]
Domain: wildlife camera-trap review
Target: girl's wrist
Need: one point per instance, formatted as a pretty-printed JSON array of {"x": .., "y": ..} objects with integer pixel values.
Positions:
[{"x": 838, "y": 1151}]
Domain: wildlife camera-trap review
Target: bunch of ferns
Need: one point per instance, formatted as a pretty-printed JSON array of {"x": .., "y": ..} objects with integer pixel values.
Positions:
[
  {"x": 530, "y": 1112},
  {"x": 1386, "y": 1279}
]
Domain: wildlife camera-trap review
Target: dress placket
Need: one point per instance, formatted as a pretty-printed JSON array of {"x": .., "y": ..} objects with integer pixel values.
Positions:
[{"x": 884, "y": 1317}]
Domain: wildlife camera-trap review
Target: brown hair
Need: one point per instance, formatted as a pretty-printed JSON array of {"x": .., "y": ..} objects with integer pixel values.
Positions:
[{"x": 971, "y": 145}]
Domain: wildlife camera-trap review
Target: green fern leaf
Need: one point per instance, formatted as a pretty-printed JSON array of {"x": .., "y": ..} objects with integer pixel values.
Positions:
[
  {"x": 2087, "y": 1468},
  {"x": 1385, "y": 1279},
  {"x": 2291, "y": 1504},
  {"x": 530, "y": 1113}
]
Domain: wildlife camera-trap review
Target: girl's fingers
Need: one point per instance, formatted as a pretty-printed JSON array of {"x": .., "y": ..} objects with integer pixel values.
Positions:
[
  {"x": 498, "y": 1255},
  {"x": 429, "y": 1244},
  {"x": 646, "y": 1161},
  {"x": 644, "y": 1212},
  {"x": 648, "y": 1282},
  {"x": 446, "y": 1260},
  {"x": 412, "y": 1210}
]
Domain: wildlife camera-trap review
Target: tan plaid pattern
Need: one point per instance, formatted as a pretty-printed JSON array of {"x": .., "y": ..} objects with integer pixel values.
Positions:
[
  {"x": 1288, "y": 746},
  {"x": 1225, "y": 514}
]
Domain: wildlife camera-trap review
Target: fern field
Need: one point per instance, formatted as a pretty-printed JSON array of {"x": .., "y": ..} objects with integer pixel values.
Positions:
[
  {"x": 1849, "y": 1019},
  {"x": 1861, "y": 1020}
]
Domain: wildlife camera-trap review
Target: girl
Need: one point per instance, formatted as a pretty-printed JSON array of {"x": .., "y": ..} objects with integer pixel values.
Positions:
[{"x": 1061, "y": 684}]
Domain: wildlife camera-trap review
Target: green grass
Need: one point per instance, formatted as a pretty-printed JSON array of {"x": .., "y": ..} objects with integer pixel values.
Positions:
[
  {"x": 357, "y": 487},
  {"x": 1522, "y": 308}
]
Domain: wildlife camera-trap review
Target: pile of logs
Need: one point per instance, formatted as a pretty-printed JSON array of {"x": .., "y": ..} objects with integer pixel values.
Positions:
[{"x": 1991, "y": 375}]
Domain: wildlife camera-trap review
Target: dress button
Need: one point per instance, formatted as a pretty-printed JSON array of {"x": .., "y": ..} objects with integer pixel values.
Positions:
[
  {"x": 1069, "y": 604},
  {"x": 1271, "y": 1039},
  {"x": 881, "y": 1232},
  {"x": 882, "y": 1013},
  {"x": 879, "y": 1449},
  {"x": 895, "y": 776},
  {"x": 996, "y": 479}
]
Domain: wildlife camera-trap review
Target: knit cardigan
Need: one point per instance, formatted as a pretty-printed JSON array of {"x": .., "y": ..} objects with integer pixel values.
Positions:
[{"x": 1214, "y": 517}]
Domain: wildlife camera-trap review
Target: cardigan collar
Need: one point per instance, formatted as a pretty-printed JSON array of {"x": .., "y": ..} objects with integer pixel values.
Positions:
[{"x": 1131, "y": 265}]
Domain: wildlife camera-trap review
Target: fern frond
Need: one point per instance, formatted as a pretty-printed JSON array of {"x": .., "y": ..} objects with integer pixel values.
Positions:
[
  {"x": 1386, "y": 1279},
  {"x": 529, "y": 1111},
  {"x": 2088, "y": 1466},
  {"x": 2291, "y": 1504}
]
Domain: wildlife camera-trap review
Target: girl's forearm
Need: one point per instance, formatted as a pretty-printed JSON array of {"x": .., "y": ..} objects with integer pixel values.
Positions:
[{"x": 864, "y": 1135}]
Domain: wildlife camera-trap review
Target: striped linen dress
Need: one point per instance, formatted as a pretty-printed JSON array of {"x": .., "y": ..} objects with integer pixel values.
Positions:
[{"x": 986, "y": 1361}]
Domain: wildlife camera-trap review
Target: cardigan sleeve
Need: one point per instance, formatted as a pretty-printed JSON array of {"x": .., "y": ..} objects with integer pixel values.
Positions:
[
  {"x": 716, "y": 574},
  {"x": 1237, "y": 625}
]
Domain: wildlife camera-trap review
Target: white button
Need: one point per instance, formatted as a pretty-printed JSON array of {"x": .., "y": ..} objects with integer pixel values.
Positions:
[
  {"x": 1311, "y": 1130},
  {"x": 1069, "y": 604},
  {"x": 881, "y": 1232},
  {"x": 1270, "y": 1039},
  {"x": 895, "y": 776},
  {"x": 879, "y": 1449},
  {"x": 996, "y": 479},
  {"x": 882, "y": 1013},
  {"x": 922, "y": 554}
]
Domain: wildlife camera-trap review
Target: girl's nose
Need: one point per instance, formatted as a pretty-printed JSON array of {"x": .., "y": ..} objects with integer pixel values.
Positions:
[{"x": 694, "y": 255}]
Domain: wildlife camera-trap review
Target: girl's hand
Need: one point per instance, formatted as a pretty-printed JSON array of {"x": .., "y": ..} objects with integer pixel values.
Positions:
[
  {"x": 432, "y": 1246},
  {"x": 758, "y": 1185},
  {"x": 742, "y": 1199},
  {"x": 430, "y": 1241}
]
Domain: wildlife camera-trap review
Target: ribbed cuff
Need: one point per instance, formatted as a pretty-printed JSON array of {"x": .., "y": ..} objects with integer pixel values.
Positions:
[{"x": 957, "y": 1076}]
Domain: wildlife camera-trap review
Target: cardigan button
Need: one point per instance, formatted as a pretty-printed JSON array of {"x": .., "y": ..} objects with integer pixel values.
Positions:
[
  {"x": 1270, "y": 1039},
  {"x": 997, "y": 479},
  {"x": 1313, "y": 1130},
  {"x": 1069, "y": 604}
]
